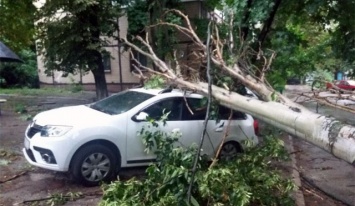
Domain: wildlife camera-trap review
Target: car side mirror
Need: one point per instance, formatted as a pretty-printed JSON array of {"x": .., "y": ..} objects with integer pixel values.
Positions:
[{"x": 141, "y": 116}]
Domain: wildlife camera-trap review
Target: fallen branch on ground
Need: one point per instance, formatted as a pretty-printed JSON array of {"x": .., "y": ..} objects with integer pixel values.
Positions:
[{"x": 13, "y": 177}]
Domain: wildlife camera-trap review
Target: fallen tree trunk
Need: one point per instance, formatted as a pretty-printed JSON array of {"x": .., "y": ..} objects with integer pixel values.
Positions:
[
  {"x": 275, "y": 109},
  {"x": 325, "y": 132}
]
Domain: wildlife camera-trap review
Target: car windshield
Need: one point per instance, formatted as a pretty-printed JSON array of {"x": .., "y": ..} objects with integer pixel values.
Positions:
[
  {"x": 121, "y": 102},
  {"x": 351, "y": 82}
]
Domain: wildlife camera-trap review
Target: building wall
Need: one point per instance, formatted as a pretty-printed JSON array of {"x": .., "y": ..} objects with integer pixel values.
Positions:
[
  {"x": 112, "y": 77},
  {"x": 193, "y": 9}
]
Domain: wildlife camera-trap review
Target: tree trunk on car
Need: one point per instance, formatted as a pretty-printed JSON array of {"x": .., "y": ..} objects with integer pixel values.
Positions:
[
  {"x": 275, "y": 109},
  {"x": 322, "y": 131}
]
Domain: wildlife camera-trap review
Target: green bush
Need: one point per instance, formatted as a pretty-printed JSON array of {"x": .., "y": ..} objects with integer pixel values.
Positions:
[
  {"x": 251, "y": 179},
  {"x": 20, "y": 74}
]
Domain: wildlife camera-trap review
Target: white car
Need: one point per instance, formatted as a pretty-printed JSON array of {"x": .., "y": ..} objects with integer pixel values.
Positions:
[{"x": 93, "y": 141}]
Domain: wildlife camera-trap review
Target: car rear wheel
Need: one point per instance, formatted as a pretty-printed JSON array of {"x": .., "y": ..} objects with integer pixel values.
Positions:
[
  {"x": 93, "y": 164},
  {"x": 229, "y": 151}
]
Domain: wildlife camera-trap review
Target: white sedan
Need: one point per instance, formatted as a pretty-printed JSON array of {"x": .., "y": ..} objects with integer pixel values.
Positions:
[{"x": 93, "y": 141}]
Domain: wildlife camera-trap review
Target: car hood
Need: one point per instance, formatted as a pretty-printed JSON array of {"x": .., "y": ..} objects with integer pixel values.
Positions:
[{"x": 71, "y": 116}]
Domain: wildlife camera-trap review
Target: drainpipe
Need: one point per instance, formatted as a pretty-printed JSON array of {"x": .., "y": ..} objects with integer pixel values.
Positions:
[{"x": 119, "y": 54}]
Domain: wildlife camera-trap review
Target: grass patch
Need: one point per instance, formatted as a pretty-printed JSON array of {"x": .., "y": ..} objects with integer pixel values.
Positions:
[{"x": 41, "y": 92}]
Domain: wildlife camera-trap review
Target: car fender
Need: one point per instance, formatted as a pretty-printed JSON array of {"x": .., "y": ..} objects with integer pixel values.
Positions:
[{"x": 115, "y": 136}]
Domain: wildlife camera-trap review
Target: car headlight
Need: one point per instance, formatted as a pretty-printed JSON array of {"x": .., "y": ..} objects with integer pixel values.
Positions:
[{"x": 54, "y": 130}]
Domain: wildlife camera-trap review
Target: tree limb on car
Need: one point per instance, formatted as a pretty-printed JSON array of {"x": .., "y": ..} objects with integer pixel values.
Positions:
[{"x": 275, "y": 109}]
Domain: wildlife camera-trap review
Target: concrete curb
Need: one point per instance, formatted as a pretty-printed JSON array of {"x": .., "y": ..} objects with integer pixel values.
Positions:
[{"x": 298, "y": 194}]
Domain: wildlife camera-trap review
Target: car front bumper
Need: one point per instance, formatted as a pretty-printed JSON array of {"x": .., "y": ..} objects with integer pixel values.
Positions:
[{"x": 48, "y": 153}]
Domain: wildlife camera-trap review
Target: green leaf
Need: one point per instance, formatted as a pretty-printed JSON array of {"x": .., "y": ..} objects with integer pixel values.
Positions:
[{"x": 194, "y": 201}]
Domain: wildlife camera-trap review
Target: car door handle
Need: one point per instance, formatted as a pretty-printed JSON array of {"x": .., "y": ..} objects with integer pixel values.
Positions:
[{"x": 220, "y": 128}]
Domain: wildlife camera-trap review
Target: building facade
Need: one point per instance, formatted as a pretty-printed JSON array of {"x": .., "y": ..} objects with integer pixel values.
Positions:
[{"x": 118, "y": 68}]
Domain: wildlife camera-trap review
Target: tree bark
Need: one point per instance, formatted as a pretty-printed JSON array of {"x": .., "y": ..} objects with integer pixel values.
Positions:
[
  {"x": 245, "y": 24},
  {"x": 325, "y": 132},
  {"x": 268, "y": 22},
  {"x": 99, "y": 77},
  {"x": 98, "y": 69}
]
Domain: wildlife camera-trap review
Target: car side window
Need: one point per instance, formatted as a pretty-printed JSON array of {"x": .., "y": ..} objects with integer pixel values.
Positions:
[
  {"x": 172, "y": 105},
  {"x": 224, "y": 113},
  {"x": 194, "y": 109}
]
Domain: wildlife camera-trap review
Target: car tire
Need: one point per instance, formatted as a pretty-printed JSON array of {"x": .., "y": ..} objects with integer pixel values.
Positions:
[
  {"x": 93, "y": 164},
  {"x": 229, "y": 151}
]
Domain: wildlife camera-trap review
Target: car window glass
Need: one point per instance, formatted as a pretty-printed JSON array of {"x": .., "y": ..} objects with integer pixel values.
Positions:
[
  {"x": 194, "y": 109},
  {"x": 172, "y": 105},
  {"x": 121, "y": 102},
  {"x": 224, "y": 113}
]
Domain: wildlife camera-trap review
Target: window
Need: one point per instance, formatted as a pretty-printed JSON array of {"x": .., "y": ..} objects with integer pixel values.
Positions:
[
  {"x": 172, "y": 105},
  {"x": 106, "y": 58},
  {"x": 138, "y": 57},
  {"x": 194, "y": 109},
  {"x": 224, "y": 113}
]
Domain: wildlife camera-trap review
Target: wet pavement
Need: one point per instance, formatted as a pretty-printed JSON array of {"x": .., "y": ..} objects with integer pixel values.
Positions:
[{"x": 23, "y": 184}]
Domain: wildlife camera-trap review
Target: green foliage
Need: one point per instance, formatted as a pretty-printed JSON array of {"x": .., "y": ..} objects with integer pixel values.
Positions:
[
  {"x": 138, "y": 17},
  {"x": 155, "y": 81},
  {"x": 27, "y": 117},
  {"x": 21, "y": 75},
  {"x": 61, "y": 199},
  {"x": 20, "y": 108},
  {"x": 305, "y": 35},
  {"x": 72, "y": 41},
  {"x": 17, "y": 24},
  {"x": 73, "y": 35},
  {"x": 75, "y": 87},
  {"x": 141, "y": 14},
  {"x": 55, "y": 91},
  {"x": 249, "y": 180}
]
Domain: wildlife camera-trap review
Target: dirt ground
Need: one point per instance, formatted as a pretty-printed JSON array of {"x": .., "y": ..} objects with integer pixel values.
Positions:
[{"x": 23, "y": 184}]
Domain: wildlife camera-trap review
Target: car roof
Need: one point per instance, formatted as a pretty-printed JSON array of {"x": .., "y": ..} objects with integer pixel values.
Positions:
[{"x": 160, "y": 91}]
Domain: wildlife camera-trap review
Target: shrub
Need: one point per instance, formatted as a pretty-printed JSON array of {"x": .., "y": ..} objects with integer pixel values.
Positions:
[
  {"x": 20, "y": 74},
  {"x": 251, "y": 179}
]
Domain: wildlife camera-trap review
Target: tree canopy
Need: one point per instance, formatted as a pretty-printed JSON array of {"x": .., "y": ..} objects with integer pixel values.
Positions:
[
  {"x": 305, "y": 35},
  {"x": 73, "y": 36},
  {"x": 17, "y": 23}
]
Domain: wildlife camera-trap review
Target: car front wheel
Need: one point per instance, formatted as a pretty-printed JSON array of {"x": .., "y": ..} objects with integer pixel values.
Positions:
[{"x": 93, "y": 164}]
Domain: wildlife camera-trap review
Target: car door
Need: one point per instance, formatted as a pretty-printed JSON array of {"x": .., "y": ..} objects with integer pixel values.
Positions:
[
  {"x": 135, "y": 147},
  {"x": 221, "y": 129},
  {"x": 343, "y": 85},
  {"x": 194, "y": 112}
]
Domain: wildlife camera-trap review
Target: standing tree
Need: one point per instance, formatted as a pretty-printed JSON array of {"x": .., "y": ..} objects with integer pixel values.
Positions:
[{"x": 73, "y": 34}]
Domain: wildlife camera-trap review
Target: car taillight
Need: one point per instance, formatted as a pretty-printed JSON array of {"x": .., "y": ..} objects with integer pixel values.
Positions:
[{"x": 256, "y": 127}]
